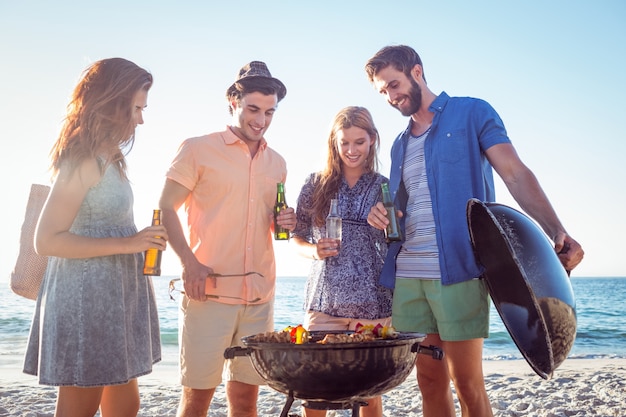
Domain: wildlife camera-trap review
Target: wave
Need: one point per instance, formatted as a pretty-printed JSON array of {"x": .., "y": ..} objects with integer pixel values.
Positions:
[{"x": 601, "y": 330}]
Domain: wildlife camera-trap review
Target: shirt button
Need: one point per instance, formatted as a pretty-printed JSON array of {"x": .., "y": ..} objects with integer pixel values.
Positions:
[{"x": 448, "y": 135}]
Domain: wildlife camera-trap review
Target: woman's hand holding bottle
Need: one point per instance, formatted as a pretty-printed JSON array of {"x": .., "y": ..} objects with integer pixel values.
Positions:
[{"x": 326, "y": 247}]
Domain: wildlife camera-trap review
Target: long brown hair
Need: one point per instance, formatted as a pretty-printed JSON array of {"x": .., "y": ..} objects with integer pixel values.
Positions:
[
  {"x": 328, "y": 180},
  {"x": 99, "y": 120}
]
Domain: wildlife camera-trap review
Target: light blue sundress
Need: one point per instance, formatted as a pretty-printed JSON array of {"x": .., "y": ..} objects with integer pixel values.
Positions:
[{"x": 95, "y": 320}]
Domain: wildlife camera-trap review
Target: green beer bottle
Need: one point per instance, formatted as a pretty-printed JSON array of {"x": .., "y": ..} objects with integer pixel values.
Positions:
[
  {"x": 392, "y": 232},
  {"x": 280, "y": 233}
]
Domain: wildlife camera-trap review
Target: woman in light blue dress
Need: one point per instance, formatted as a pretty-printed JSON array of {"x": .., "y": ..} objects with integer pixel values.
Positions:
[{"x": 95, "y": 328}]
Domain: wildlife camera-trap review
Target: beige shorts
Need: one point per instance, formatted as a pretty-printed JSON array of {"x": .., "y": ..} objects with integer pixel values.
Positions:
[
  {"x": 206, "y": 329},
  {"x": 315, "y": 320}
]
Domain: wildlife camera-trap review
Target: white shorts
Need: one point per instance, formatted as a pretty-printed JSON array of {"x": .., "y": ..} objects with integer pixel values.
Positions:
[{"x": 206, "y": 329}]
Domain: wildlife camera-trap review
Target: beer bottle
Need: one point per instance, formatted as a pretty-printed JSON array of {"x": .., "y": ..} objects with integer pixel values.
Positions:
[
  {"x": 280, "y": 233},
  {"x": 152, "y": 259},
  {"x": 333, "y": 221},
  {"x": 392, "y": 232}
]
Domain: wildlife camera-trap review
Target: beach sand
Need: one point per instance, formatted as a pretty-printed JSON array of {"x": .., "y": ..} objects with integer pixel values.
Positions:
[{"x": 579, "y": 387}]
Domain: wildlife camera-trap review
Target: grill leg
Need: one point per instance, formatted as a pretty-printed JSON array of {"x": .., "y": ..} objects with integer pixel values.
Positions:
[{"x": 287, "y": 407}]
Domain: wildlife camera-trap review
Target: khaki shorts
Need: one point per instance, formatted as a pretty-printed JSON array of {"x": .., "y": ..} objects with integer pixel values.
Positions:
[
  {"x": 315, "y": 320},
  {"x": 206, "y": 329},
  {"x": 456, "y": 312}
]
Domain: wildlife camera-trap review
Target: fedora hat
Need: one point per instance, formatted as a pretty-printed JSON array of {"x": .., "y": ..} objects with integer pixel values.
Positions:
[{"x": 258, "y": 69}]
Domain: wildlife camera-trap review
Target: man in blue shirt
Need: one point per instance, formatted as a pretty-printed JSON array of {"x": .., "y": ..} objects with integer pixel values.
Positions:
[{"x": 443, "y": 158}]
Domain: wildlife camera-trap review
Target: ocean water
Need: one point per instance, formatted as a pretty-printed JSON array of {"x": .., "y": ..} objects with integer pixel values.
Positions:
[{"x": 600, "y": 308}]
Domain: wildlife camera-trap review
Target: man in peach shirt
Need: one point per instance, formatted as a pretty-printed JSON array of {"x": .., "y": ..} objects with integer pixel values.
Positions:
[{"x": 227, "y": 184}]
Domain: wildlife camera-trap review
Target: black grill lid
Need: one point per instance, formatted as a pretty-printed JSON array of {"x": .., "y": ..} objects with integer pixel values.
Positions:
[{"x": 527, "y": 283}]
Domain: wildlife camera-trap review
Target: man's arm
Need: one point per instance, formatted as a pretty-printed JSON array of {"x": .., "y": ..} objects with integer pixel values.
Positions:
[
  {"x": 194, "y": 273},
  {"x": 526, "y": 190}
]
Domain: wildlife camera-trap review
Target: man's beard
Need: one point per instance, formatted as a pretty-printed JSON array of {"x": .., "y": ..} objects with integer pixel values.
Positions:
[{"x": 415, "y": 100}]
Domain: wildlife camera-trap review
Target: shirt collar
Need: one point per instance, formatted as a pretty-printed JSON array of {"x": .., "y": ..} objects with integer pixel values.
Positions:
[
  {"x": 437, "y": 106},
  {"x": 230, "y": 139},
  {"x": 439, "y": 103}
]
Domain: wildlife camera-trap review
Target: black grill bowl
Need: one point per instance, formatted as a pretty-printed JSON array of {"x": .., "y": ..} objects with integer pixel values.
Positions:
[
  {"x": 527, "y": 283},
  {"x": 334, "y": 372}
]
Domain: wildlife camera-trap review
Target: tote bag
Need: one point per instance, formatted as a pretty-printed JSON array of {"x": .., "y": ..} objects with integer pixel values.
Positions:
[{"x": 30, "y": 267}]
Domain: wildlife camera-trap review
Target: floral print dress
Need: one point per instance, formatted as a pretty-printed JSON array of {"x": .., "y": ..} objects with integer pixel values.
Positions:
[{"x": 347, "y": 285}]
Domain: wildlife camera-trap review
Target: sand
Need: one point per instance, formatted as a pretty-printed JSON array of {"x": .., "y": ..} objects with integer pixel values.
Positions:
[{"x": 579, "y": 387}]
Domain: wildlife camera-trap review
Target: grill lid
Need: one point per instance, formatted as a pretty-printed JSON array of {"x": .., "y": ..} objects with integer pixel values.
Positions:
[{"x": 527, "y": 283}]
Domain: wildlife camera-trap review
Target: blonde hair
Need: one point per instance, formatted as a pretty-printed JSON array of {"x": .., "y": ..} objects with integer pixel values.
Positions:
[
  {"x": 328, "y": 180},
  {"x": 100, "y": 115}
]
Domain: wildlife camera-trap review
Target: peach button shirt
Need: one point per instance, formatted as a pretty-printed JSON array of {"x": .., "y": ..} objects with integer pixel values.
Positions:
[{"x": 229, "y": 210}]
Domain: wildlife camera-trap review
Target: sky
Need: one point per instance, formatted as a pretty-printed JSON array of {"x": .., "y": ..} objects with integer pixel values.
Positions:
[{"x": 553, "y": 70}]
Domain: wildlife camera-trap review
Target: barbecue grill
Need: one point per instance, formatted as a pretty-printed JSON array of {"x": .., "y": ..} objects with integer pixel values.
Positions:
[{"x": 334, "y": 376}]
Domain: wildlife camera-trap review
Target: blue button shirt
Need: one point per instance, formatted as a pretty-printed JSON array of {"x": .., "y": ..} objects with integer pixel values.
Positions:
[{"x": 463, "y": 129}]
